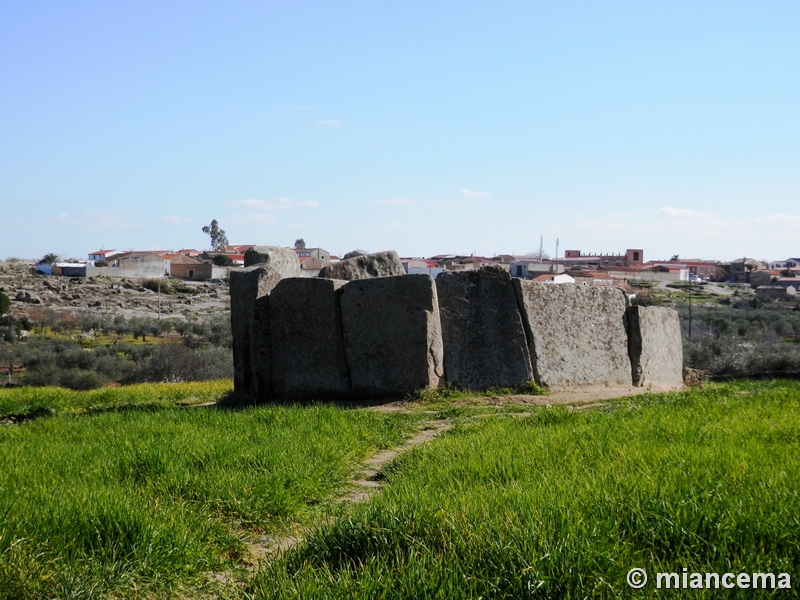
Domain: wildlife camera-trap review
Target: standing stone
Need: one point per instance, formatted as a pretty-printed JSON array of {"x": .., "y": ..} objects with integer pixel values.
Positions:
[
  {"x": 655, "y": 346},
  {"x": 249, "y": 289},
  {"x": 306, "y": 339},
  {"x": 379, "y": 264},
  {"x": 576, "y": 334},
  {"x": 484, "y": 340},
  {"x": 392, "y": 335}
]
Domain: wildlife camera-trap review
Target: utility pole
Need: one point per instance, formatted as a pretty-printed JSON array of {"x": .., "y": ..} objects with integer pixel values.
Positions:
[
  {"x": 556, "y": 248},
  {"x": 541, "y": 247},
  {"x": 690, "y": 308}
]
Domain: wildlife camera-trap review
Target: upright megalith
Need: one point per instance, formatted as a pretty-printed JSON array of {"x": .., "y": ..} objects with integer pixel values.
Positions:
[
  {"x": 655, "y": 346},
  {"x": 250, "y": 288},
  {"x": 392, "y": 335},
  {"x": 366, "y": 266},
  {"x": 576, "y": 334},
  {"x": 484, "y": 340},
  {"x": 305, "y": 324}
]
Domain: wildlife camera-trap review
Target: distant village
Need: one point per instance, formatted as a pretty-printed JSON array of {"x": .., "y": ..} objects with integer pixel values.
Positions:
[{"x": 772, "y": 281}]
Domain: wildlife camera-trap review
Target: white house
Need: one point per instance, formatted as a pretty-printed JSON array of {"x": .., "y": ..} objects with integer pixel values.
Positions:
[
  {"x": 789, "y": 263},
  {"x": 554, "y": 278}
]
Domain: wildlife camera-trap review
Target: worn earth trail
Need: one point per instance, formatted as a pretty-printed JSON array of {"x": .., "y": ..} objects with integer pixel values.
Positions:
[
  {"x": 363, "y": 486},
  {"x": 365, "y": 483}
]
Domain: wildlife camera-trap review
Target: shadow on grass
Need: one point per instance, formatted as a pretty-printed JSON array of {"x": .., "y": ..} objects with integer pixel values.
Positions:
[
  {"x": 22, "y": 417},
  {"x": 236, "y": 401}
]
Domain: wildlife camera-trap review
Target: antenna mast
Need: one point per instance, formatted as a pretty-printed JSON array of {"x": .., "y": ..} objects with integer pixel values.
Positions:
[{"x": 541, "y": 247}]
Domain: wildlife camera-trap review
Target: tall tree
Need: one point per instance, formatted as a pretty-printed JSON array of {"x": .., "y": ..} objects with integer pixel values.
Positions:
[
  {"x": 299, "y": 244},
  {"x": 217, "y": 235}
]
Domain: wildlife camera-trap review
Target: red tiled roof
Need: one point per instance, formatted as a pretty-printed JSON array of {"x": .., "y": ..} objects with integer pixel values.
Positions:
[
  {"x": 241, "y": 248},
  {"x": 181, "y": 259}
]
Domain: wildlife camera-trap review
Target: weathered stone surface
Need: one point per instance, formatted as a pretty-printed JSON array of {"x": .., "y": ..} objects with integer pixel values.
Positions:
[
  {"x": 249, "y": 288},
  {"x": 576, "y": 334},
  {"x": 484, "y": 339},
  {"x": 655, "y": 346},
  {"x": 379, "y": 264},
  {"x": 306, "y": 339},
  {"x": 392, "y": 335},
  {"x": 281, "y": 260},
  {"x": 23, "y": 296}
]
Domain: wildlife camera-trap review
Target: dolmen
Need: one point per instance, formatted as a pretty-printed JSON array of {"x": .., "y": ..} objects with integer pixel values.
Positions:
[{"x": 364, "y": 329}]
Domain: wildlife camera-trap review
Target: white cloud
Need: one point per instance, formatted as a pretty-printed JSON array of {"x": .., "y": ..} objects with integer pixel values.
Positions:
[
  {"x": 604, "y": 225},
  {"x": 273, "y": 205},
  {"x": 779, "y": 219},
  {"x": 176, "y": 220},
  {"x": 393, "y": 202},
  {"x": 473, "y": 194},
  {"x": 684, "y": 213},
  {"x": 98, "y": 220},
  {"x": 263, "y": 218},
  {"x": 694, "y": 233},
  {"x": 328, "y": 123},
  {"x": 445, "y": 203}
]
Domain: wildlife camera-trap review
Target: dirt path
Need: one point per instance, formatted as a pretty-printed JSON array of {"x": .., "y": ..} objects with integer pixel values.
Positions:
[
  {"x": 369, "y": 482},
  {"x": 366, "y": 483}
]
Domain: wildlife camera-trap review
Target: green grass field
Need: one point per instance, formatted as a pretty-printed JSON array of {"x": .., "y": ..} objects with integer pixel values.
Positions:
[
  {"x": 23, "y": 402},
  {"x": 515, "y": 501},
  {"x": 133, "y": 503},
  {"x": 562, "y": 504}
]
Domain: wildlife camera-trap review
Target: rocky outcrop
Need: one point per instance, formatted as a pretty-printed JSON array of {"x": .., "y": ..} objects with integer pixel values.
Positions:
[
  {"x": 366, "y": 266},
  {"x": 655, "y": 346},
  {"x": 484, "y": 340},
  {"x": 392, "y": 335},
  {"x": 576, "y": 335},
  {"x": 281, "y": 260},
  {"x": 24, "y": 296},
  {"x": 308, "y": 360}
]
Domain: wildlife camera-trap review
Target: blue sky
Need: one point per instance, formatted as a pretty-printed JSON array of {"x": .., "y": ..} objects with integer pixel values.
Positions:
[{"x": 425, "y": 127}]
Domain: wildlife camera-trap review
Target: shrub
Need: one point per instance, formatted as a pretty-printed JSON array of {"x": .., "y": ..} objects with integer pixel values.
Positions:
[
  {"x": 5, "y": 304},
  {"x": 177, "y": 362},
  {"x": 77, "y": 379},
  {"x": 183, "y": 288},
  {"x": 741, "y": 340},
  {"x": 221, "y": 260},
  {"x": 647, "y": 300},
  {"x": 159, "y": 284}
]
